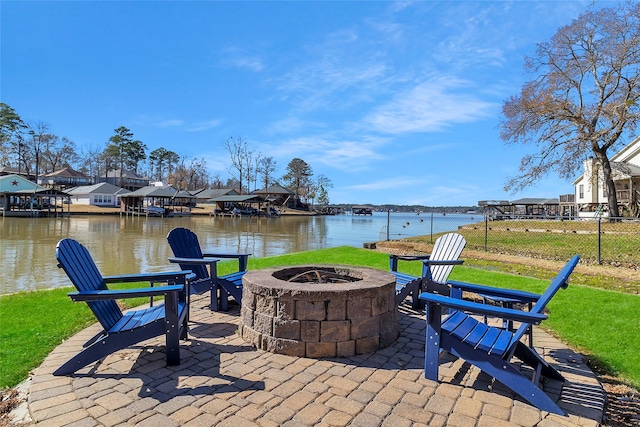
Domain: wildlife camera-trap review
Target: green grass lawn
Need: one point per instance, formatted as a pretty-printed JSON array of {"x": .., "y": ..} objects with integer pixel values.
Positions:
[
  {"x": 598, "y": 322},
  {"x": 558, "y": 240}
]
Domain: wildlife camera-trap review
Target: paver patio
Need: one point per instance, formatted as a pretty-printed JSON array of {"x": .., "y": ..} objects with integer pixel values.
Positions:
[{"x": 223, "y": 381}]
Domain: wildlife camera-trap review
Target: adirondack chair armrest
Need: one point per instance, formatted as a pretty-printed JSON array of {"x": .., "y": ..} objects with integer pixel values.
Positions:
[
  {"x": 243, "y": 258},
  {"x": 443, "y": 262},
  {"x": 160, "y": 277},
  {"x": 222, "y": 255},
  {"x": 393, "y": 259},
  {"x": 193, "y": 261},
  {"x": 483, "y": 309},
  {"x": 124, "y": 293},
  {"x": 489, "y": 291},
  {"x": 411, "y": 257}
]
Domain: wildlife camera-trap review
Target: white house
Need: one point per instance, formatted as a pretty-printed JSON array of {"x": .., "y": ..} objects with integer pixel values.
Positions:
[
  {"x": 101, "y": 194},
  {"x": 590, "y": 188}
]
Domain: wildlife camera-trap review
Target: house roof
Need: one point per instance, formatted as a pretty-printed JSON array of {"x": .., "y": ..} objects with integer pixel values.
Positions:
[
  {"x": 100, "y": 188},
  {"x": 211, "y": 193},
  {"x": 185, "y": 195},
  {"x": 18, "y": 184},
  {"x": 625, "y": 169},
  {"x": 15, "y": 184},
  {"x": 67, "y": 172},
  {"x": 152, "y": 191},
  {"x": 275, "y": 189},
  {"x": 628, "y": 151},
  {"x": 9, "y": 170}
]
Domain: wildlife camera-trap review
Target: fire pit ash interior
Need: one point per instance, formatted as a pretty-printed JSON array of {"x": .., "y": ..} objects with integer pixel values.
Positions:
[{"x": 319, "y": 311}]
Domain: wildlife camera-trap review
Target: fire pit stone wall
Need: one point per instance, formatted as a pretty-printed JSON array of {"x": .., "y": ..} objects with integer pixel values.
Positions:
[{"x": 318, "y": 320}]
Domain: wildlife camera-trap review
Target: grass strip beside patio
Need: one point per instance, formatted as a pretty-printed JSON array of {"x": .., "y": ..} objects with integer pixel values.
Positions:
[{"x": 598, "y": 322}]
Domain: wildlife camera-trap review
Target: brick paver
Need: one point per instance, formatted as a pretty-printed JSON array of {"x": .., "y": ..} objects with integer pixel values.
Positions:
[{"x": 224, "y": 381}]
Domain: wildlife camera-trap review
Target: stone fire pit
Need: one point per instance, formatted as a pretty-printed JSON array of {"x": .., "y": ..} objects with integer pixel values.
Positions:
[{"x": 319, "y": 311}]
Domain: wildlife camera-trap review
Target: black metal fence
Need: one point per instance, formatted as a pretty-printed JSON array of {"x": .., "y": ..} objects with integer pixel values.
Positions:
[{"x": 597, "y": 240}]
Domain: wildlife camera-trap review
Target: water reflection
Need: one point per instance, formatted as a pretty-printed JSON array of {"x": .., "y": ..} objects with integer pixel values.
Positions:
[{"x": 122, "y": 245}]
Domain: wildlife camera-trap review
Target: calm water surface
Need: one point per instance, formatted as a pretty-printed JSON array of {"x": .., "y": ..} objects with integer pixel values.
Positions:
[{"x": 121, "y": 245}]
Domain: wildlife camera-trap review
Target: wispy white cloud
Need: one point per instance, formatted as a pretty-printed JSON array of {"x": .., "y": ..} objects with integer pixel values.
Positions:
[
  {"x": 430, "y": 106},
  {"x": 442, "y": 195},
  {"x": 387, "y": 184},
  {"x": 240, "y": 58},
  {"x": 170, "y": 123},
  {"x": 209, "y": 124},
  {"x": 156, "y": 122},
  {"x": 319, "y": 85},
  {"x": 345, "y": 155},
  {"x": 292, "y": 124}
]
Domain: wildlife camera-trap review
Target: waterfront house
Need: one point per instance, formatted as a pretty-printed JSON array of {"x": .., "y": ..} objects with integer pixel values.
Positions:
[
  {"x": 101, "y": 194},
  {"x": 590, "y": 188},
  {"x": 10, "y": 170},
  {"x": 64, "y": 179}
]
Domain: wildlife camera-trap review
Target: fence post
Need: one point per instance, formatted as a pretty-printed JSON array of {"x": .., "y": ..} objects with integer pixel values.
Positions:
[
  {"x": 599, "y": 240},
  {"x": 486, "y": 231},
  {"x": 388, "y": 223},
  {"x": 431, "y": 231}
]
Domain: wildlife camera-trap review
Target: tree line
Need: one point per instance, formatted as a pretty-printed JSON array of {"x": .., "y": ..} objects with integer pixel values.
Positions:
[{"x": 34, "y": 151}]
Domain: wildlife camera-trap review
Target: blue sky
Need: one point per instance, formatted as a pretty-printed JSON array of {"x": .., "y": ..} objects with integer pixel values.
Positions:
[{"x": 395, "y": 102}]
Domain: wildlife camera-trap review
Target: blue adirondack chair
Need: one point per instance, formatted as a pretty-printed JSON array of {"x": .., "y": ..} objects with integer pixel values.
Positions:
[
  {"x": 492, "y": 348},
  {"x": 122, "y": 330},
  {"x": 436, "y": 268},
  {"x": 504, "y": 297},
  {"x": 188, "y": 254}
]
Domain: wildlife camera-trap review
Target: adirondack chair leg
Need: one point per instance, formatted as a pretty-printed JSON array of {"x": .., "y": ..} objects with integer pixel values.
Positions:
[
  {"x": 411, "y": 288},
  {"x": 214, "y": 303},
  {"x": 504, "y": 372},
  {"x": 531, "y": 358},
  {"x": 415, "y": 293},
  {"x": 432, "y": 342},
  {"x": 224, "y": 299},
  {"x": 172, "y": 325}
]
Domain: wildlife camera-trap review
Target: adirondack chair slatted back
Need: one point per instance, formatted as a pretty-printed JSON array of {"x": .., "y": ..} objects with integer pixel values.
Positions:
[
  {"x": 447, "y": 247},
  {"x": 560, "y": 281},
  {"x": 184, "y": 244},
  {"x": 77, "y": 263}
]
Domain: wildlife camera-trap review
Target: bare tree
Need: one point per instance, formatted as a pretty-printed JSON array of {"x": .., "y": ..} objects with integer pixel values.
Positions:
[
  {"x": 584, "y": 98},
  {"x": 36, "y": 145},
  {"x": 254, "y": 165},
  {"x": 90, "y": 160},
  {"x": 59, "y": 153},
  {"x": 189, "y": 175},
  {"x": 266, "y": 167},
  {"x": 240, "y": 155},
  {"x": 216, "y": 181}
]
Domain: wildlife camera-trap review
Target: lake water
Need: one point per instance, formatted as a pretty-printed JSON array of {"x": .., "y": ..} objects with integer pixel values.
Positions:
[{"x": 121, "y": 245}]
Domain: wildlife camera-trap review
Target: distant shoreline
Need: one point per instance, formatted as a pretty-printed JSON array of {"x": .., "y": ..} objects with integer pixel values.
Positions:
[{"x": 198, "y": 211}]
